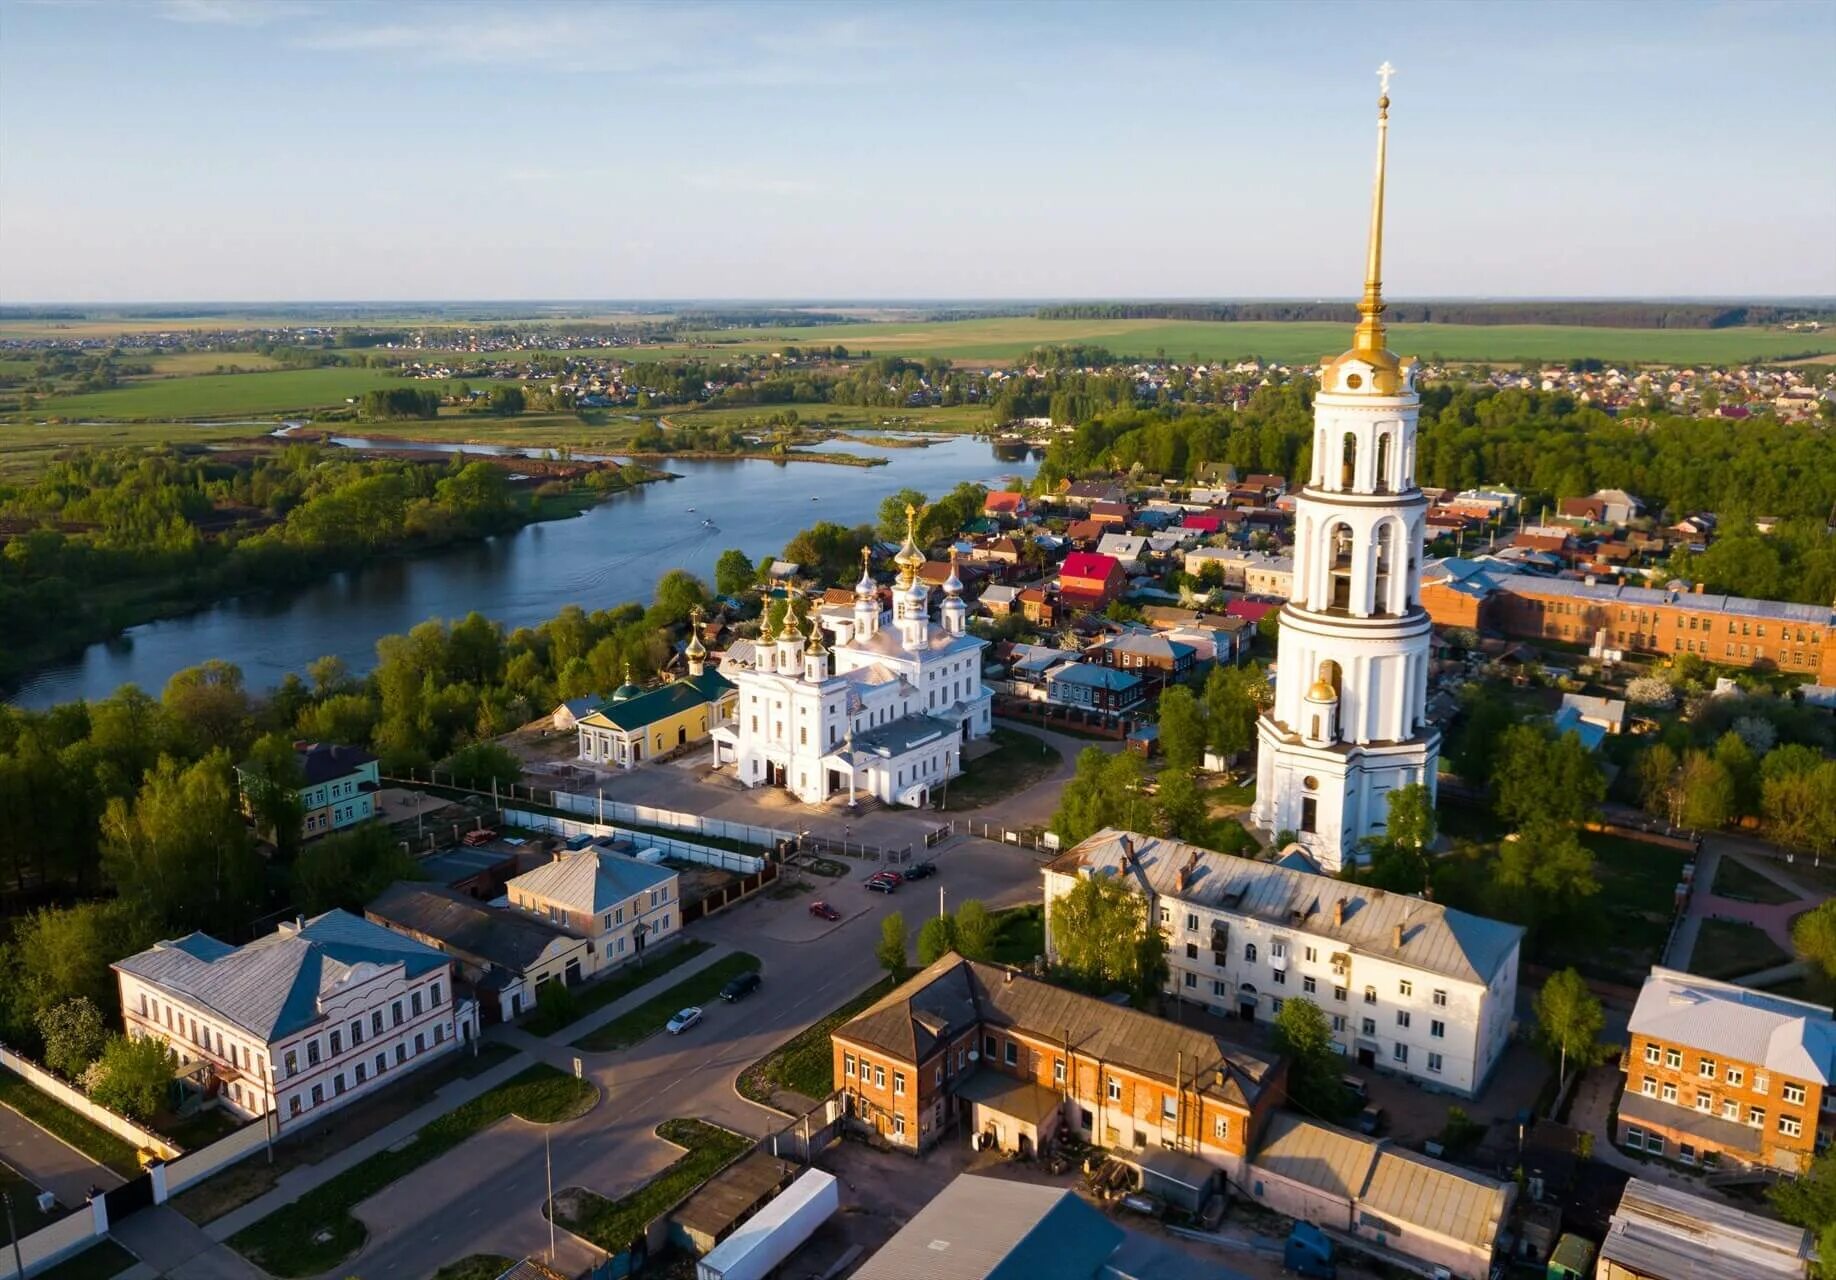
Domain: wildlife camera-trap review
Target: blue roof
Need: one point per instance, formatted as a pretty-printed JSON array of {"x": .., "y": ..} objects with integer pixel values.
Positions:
[{"x": 1088, "y": 673}]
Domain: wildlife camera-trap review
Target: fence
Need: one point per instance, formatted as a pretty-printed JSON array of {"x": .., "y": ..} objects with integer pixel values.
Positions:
[
  {"x": 52, "y": 1244},
  {"x": 1026, "y": 837},
  {"x": 810, "y": 1134},
  {"x": 225, "y": 1151},
  {"x": 73, "y": 1098},
  {"x": 739, "y": 863},
  {"x": 641, "y": 815}
]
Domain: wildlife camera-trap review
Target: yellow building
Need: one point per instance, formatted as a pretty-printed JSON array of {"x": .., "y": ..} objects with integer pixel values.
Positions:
[{"x": 637, "y": 725}]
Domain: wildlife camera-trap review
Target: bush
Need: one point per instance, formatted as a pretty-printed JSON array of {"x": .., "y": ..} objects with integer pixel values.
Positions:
[
  {"x": 133, "y": 1076},
  {"x": 1649, "y": 691},
  {"x": 74, "y": 1035}
]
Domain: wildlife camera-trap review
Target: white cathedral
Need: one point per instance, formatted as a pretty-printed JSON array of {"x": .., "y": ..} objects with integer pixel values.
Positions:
[
  {"x": 1350, "y": 719},
  {"x": 882, "y": 712}
]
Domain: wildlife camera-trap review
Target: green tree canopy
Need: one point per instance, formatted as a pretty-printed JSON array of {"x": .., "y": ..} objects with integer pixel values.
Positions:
[
  {"x": 1182, "y": 728},
  {"x": 180, "y": 848},
  {"x": 1315, "y": 1068},
  {"x": 936, "y": 936},
  {"x": 1569, "y": 1020},
  {"x": 348, "y": 868},
  {"x": 133, "y": 1076},
  {"x": 734, "y": 573},
  {"x": 973, "y": 930},
  {"x": 890, "y": 951},
  {"x": 1104, "y": 940}
]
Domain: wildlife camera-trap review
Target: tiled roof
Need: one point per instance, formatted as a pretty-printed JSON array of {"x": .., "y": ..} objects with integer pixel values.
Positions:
[
  {"x": 1788, "y": 1037},
  {"x": 954, "y": 994},
  {"x": 592, "y": 880},
  {"x": 271, "y": 987},
  {"x": 1435, "y": 938}
]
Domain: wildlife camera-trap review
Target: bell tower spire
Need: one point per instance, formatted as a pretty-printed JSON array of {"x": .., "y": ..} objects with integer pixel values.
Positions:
[{"x": 1370, "y": 335}]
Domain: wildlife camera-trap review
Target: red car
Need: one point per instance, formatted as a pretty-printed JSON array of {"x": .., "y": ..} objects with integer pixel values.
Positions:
[
  {"x": 884, "y": 882},
  {"x": 824, "y": 911}
]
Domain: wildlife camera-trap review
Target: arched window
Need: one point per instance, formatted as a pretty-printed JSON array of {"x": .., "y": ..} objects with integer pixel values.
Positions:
[
  {"x": 1348, "y": 468},
  {"x": 1383, "y": 463},
  {"x": 1386, "y": 560},
  {"x": 1249, "y": 952}
]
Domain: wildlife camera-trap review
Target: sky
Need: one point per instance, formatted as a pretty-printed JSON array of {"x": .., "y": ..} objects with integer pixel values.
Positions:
[{"x": 275, "y": 150}]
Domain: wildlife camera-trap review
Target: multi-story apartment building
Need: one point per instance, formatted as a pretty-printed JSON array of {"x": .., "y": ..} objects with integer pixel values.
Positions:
[
  {"x": 300, "y": 1022},
  {"x": 339, "y": 788},
  {"x": 1257, "y": 573},
  {"x": 985, "y": 1050},
  {"x": 1716, "y": 1072},
  {"x": 1734, "y": 631},
  {"x": 1409, "y": 986},
  {"x": 618, "y": 903}
]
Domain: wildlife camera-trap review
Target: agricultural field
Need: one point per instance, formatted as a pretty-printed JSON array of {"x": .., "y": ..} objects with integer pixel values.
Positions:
[
  {"x": 221, "y": 395},
  {"x": 25, "y": 447},
  {"x": 839, "y": 417},
  {"x": 190, "y": 364}
]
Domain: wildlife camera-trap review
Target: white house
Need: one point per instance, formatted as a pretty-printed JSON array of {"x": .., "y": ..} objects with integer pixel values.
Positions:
[
  {"x": 1408, "y": 985},
  {"x": 300, "y": 1022},
  {"x": 886, "y": 711}
]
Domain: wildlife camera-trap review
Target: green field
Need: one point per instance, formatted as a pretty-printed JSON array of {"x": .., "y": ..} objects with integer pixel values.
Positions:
[
  {"x": 839, "y": 417},
  {"x": 223, "y": 395},
  {"x": 1006, "y": 337}
]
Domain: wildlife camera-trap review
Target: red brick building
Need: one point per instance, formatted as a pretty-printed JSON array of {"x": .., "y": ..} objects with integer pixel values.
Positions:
[{"x": 1090, "y": 580}]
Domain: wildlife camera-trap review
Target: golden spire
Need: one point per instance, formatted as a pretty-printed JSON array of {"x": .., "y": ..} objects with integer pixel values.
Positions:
[
  {"x": 1369, "y": 335},
  {"x": 695, "y": 649},
  {"x": 910, "y": 559}
]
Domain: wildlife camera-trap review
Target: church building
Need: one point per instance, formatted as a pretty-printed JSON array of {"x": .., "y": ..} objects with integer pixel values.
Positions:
[
  {"x": 882, "y": 710},
  {"x": 1350, "y": 724}
]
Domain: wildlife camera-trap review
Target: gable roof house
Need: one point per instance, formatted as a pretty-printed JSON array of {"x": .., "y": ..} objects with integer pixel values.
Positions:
[
  {"x": 622, "y": 905},
  {"x": 1088, "y": 580}
]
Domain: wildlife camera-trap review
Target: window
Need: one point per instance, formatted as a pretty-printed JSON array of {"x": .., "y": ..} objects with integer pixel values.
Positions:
[
  {"x": 293, "y": 1105},
  {"x": 1434, "y": 1063},
  {"x": 899, "y": 1126},
  {"x": 395, "y": 1014},
  {"x": 1249, "y": 952},
  {"x": 879, "y": 1075},
  {"x": 312, "y": 1052},
  {"x": 1652, "y": 1054},
  {"x": 1192, "y": 980},
  {"x": 337, "y": 1042},
  {"x": 356, "y": 1033},
  {"x": 899, "y": 1084},
  {"x": 1166, "y": 915},
  {"x": 1437, "y": 1029},
  {"x": 1012, "y": 1056},
  {"x": 362, "y": 1072},
  {"x": 1648, "y": 1086},
  {"x": 439, "y": 1033},
  {"x": 291, "y": 1064},
  {"x": 848, "y": 1065},
  {"x": 988, "y": 1047},
  {"x": 1730, "y": 1110},
  {"x": 1440, "y": 999},
  {"x": 382, "y": 1063},
  {"x": 1402, "y": 1018},
  {"x": 338, "y": 1083},
  {"x": 1338, "y": 993},
  {"x": 1400, "y": 1052},
  {"x": 1308, "y": 985},
  {"x": 1370, "y": 995},
  {"x": 1192, "y": 951},
  {"x": 1191, "y": 922},
  {"x": 1058, "y": 1070},
  {"x": 1761, "y": 1082},
  {"x": 414, "y": 999},
  {"x": 1670, "y": 1092},
  {"x": 1706, "y": 1068},
  {"x": 1312, "y": 954},
  {"x": 1705, "y": 1102},
  {"x": 1792, "y": 1093},
  {"x": 318, "y": 1094},
  {"x": 420, "y": 1042},
  {"x": 1673, "y": 1058},
  {"x": 376, "y": 1023},
  {"x": 401, "y": 1054},
  {"x": 1790, "y": 1126},
  {"x": 1338, "y": 1022},
  {"x": 1369, "y": 1026},
  {"x": 1405, "y": 988},
  {"x": 1280, "y": 976},
  {"x": 1217, "y": 988},
  {"x": 1756, "y": 1116},
  {"x": 1115, "y": 1089},
  {"x": 1220, "y": 1128}
]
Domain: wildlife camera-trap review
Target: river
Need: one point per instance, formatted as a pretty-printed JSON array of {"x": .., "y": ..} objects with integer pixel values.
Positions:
[{"x": 612, "y": 553}]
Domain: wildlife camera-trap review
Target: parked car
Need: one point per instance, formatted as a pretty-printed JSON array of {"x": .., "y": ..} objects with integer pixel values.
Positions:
[
  {"x": 1355, "y": 1086},
  {"x": 920, "y": 871},
  {"x": 1372, "y": 1120},
  {"x": 884, "y": 882},
  {"x": 741, "y": 987},
  {"x": 683, "y": 1021},
  {"x": 824, "y": 911}
]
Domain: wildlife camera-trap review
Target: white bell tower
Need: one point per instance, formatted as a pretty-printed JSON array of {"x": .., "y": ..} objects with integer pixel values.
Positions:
[{"x": 1350, "y": 724}]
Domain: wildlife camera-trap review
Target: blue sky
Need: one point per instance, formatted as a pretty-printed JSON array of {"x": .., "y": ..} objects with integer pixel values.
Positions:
[{"x": 300, "y": 149}]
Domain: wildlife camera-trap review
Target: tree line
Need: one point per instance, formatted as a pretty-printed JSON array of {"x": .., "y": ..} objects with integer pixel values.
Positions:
[{"x": 1607, "y": 315}]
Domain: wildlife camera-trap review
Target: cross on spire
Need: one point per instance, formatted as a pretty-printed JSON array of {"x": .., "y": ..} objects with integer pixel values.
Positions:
[{"x": 1383, "y": 77}]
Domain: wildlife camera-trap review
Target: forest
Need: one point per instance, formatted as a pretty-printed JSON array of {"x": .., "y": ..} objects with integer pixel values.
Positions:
[{"x": 1603, "y": 314}]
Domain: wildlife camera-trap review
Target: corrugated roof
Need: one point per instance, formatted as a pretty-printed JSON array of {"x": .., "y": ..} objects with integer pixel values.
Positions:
[
  {"x": 980, "y": 1228},
  {"x": 592, "y": 880},
  {"x": 1789, "y": 1037},
  {"x": 1659, "y": 1230},
  {"x": 1432, "y": 1196},
  {"x": 1337, "y": 1162},
  {"x": 954, "y": 994},
  {"x": 271, "y": 987},
  {"x": 1435, "y": 938}
]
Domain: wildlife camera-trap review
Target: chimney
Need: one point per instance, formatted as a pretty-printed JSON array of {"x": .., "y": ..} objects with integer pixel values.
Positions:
[
  {"x": 1338, "y": 913},
  {"x": 1697, "y": 588},
  {"x": 1396, "y": 938},
  {"x": 1010, "y": 977}
]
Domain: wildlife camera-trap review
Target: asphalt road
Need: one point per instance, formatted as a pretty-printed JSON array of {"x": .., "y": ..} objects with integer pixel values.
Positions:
[{"x": 486, "y": 1196}]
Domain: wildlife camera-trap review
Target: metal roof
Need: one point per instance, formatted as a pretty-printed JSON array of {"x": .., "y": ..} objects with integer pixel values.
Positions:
[
  {"x": 1661, "y": 1231},
  {"x": 1788, "y": 1037},
  {"x": 981, "y": 1228},
  {"x": 1435, "y": 938},
  {"x": 1337, "y": 1162},
  {"x": 512, "y": 940},
  {"x": 1500, "y": 576},
  {"x": 592, "y": 880},
  {"x": 271, "y": 987}
]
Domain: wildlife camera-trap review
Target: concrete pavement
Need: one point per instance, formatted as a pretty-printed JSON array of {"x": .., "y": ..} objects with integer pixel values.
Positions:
[{"x": 50, "y": 1163}]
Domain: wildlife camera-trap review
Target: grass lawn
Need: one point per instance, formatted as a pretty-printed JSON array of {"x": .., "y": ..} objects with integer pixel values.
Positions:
[
  {"x": 1742, "y": 883},
  {"x": 24, "y": 1197},
  {"x": 101, "y": 1260},
  {"x": 548, "y": 1019},
  {"x": 648, "y": 1018},
  {"x": 1019, "y": 935},
  {"x": 614, "y": 1224},
  {"x": 1017, "y": 762},
  {"x": 242, "y": 1182},
  {"x": 200, "y": 1128},
  {"x": 54, "y": 1117},
  {"x": 804, "y": 1064},
  {"x": 1638, "y": 885},
  {"x": 317, "y": 1232},
  {"x": 1733, "y": 949},
  {"x": 476, "y": 1266},
  {"x": 225, "y": 395}
]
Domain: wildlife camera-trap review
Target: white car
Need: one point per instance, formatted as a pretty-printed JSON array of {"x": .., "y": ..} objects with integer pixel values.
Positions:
[{"x": 683, "y": 1021}]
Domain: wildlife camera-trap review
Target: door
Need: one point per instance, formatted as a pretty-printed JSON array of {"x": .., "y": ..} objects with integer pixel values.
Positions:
[
  {"x": 573, "y": 972},
  {"x": 1367, "y": 1057},
  {"x": 1246, "y": 1010}
]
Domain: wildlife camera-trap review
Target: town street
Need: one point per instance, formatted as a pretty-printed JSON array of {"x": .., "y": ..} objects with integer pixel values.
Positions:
[{"x": 487, "y": 1195}]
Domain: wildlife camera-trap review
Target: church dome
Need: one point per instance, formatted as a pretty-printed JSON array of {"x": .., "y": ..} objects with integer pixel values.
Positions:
[
  {"x": 909, "y": 558},
  {"x": 866, "y": 586},
  {"x": 1322, "y": 691}
]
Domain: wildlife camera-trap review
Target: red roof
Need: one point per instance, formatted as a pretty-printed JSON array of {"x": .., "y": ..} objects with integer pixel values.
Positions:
[
  {"x": 1088, "y": 564},
  {"x": 1003, "y": 500},
  {"x": 1249, "y": 610},
  {"x": 1208, "y": 523}
]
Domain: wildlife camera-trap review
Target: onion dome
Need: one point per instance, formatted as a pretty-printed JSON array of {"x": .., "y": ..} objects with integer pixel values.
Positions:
[
  {"x": 953, "y": 585},
  {"x": 695, "y": 650},
  {"x": 816, "y": 647},
  {"x": 909, "y": 558},
  {"x": 629, "y": 689},
  {"x": 1322, "y": 691},
  {"x": 866, "y": 586},
  {"x": 790, "y": 631}
]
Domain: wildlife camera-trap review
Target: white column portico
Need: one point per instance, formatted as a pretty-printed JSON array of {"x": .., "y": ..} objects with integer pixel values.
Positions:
[{"x": 1349, "y": 721}]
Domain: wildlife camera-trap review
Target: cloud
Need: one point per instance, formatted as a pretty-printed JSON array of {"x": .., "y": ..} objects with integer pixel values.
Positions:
[
  {"x": 234, "y": 13},
  {"x": 736, "y": 182}
]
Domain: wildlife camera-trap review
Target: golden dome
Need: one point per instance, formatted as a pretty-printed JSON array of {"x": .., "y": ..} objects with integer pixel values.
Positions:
[
  {"x": 909, "y": 559},
  {"x": 1322, "y": 691}
]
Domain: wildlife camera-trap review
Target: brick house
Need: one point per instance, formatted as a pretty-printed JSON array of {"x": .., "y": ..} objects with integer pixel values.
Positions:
[
  {"x": 1089, "y": 580},
  {"x": 1038, "y": 608},
  {"x": 978, "y": 1048},
  {"x": 1718, "y": 1073}
]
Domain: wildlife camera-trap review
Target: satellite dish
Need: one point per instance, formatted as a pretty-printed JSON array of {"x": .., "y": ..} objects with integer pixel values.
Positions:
[{"x": 974, "y": 1056}]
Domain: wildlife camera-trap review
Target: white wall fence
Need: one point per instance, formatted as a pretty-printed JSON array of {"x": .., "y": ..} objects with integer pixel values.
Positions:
[
  {"x": 75, "y": 1099},
  {"x": 687, "y": 851},
  {"x": 50, "y": 1245},
  {"x": 225, "y": 1151},
  {"x": 604, "y": 810}
]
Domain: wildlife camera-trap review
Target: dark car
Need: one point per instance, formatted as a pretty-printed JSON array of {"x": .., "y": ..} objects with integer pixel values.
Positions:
[
  {"x": 824, "y": 910},
  {"x": 1372, "y": 1120},
  {"x": 883, "y": 883},
  {"x": 741, "y": 987},
  {"x": 921, "y": 871}
]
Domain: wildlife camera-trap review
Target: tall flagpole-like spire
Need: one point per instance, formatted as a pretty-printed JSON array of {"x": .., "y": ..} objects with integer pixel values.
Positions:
[{"x": 1369, "y": 335}]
